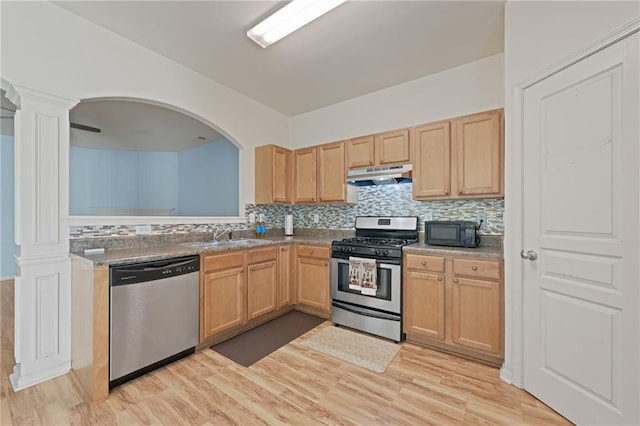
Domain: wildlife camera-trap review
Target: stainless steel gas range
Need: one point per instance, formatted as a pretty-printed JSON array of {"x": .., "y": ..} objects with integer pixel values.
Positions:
[{"x": 366, "y": 275}]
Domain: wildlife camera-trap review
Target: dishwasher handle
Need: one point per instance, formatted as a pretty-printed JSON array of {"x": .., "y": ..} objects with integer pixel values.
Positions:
[{"x": 155, "y": 270}]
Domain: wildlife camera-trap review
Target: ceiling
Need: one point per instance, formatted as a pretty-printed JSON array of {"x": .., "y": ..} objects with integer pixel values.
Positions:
[
  {"x": 137, "y": 126},
  {"x": 357, "y": 48}
]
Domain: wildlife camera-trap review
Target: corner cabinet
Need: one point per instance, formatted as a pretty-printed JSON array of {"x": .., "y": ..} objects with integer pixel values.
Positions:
[
  {"x": 312, "y": 278},
  {"x": 461, "y": 158},
  {"x": 273, "y": 179},
  {"x": 455, "y": 304}
]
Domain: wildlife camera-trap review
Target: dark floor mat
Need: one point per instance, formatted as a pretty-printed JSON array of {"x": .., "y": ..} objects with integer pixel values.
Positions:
[{"x": 250, "y": 347}]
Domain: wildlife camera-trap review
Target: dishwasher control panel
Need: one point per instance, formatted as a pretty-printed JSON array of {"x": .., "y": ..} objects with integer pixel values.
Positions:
[{"x": 154, "y": 270}]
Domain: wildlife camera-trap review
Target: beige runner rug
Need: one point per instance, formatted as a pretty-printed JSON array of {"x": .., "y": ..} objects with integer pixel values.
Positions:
[{"x": 363, "y": 350}]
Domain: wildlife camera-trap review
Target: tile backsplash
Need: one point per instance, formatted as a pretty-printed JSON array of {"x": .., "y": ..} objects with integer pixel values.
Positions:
[{"x": 384, "y": 200}]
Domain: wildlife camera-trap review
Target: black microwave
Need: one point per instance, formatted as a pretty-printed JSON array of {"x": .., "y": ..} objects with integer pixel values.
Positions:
[{"x": 457, "y": 233}]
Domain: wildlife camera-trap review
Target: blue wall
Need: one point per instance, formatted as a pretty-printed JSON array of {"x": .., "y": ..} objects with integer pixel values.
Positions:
[
  {"x": 7, "y": 245},
  {"x": 121, "y": 179},
  {"x": 201, "y": 181},
  {"x": 215, "y": 165}
]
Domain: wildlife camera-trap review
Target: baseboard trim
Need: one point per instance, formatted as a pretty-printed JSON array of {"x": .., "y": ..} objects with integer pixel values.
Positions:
[{"x": 19, "y": 382}]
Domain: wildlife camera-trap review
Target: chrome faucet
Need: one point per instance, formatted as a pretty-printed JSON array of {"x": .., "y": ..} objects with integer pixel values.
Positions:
[{"x": 218, "y": 233}]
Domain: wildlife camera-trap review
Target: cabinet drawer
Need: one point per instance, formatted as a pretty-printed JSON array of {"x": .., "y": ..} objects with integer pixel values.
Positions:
[
  {"x": 263, "y": 255},
  {"x": 425, "y": 263},
  {"x": 477, "y": 268},
  {"x": 313, "y": 251},
  {"x": 223, "y": 261}
]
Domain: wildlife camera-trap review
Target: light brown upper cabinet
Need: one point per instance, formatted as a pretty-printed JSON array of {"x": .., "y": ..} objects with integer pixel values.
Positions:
[
  {"x": 305, "y": 172},
  {"x": 332, "y": 172},
  {"x": 479, "y": 155},
  {"x": 383, "y": 149},
  {"x": 459, "y": 158},
  {"x": 431, "y": 149},
  {"x": 321, "y": 175},
  {"x": 362, "y": 152},
  {"x": 273, "y": 175}
]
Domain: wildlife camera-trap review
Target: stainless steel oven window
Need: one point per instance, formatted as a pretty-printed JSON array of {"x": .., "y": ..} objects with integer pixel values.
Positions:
[{"x": 387, "y": 296}]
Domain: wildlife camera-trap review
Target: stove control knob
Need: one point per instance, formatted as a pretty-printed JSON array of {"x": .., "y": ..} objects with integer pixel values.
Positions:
[
  {"x": 386, "y": 252},
  {"x": 350, "y": 249},
  {"x": 377, "y": 252}
]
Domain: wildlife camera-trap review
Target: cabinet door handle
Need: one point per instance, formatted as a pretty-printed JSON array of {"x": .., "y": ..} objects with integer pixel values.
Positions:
[
  {"x": 455, "y": 280},
  {"x": 439, "y": 278},
  {"x": 474, "y": 268},
  {"x": 423, "y": 263},
  {"x": 446, "y": 192},
  {"x": 459, "y": 191},
  {"x": 311, "y": 252}
]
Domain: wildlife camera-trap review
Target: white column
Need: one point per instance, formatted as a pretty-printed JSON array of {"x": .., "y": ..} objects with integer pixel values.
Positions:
[{"x": 42, "y": 284}]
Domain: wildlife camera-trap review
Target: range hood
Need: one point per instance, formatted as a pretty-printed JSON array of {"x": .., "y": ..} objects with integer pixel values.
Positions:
[{"x": 380, "y": 175}]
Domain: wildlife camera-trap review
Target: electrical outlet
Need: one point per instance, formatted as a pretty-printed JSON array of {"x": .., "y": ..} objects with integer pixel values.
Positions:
[
  {"x": 481, "y": 216},
  {"x": 143, "y": 229},
  {"x": 428, "y": 216},
  {"x": 252, "y": 217},
  {"x": 316, "y": 218}
]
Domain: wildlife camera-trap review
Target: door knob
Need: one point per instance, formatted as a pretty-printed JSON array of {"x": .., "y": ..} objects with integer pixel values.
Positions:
[{"x": 528, "y": 254}]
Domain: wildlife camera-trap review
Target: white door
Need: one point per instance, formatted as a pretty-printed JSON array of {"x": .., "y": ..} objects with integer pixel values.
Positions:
[{"x": 581, "y": 218}]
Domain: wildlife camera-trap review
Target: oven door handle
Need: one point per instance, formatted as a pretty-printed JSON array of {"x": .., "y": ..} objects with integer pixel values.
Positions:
[
  {"x": 387, "y": 266},
  {"x": 366, "y": 312}
]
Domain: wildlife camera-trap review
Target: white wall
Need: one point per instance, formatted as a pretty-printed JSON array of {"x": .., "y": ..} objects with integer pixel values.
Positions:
[
  {"x": 538, "y": 35},
  {"x": 47, "y": 48},
  {"x": 473, "y": 87}
]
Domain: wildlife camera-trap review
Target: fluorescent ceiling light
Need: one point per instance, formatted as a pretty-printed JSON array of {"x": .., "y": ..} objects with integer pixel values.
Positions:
[{"x": 294, "y": 15}]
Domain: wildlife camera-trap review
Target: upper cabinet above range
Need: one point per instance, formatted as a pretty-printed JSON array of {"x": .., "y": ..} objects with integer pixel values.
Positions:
[{"x": 383, "y": 149}]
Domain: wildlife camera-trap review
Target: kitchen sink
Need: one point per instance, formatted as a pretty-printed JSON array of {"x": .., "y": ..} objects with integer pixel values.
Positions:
[{"x": 223, "y": 243}]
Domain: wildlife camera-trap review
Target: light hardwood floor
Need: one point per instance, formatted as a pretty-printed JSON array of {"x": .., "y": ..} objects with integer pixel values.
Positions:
[{"x": 294, "y": 385}]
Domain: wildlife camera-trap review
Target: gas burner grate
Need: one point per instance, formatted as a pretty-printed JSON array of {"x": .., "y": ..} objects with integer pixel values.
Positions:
[{"x": 378, "y": 241}]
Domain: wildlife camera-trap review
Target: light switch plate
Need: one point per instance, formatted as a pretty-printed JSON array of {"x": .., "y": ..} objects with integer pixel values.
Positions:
[
  {"x": 316, "y": 218},
  {"x": 252, "y": 217},
  {"x": 143, "y": 229}
]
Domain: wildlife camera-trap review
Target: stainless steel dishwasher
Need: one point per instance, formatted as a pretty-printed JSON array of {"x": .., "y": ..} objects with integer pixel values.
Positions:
[{"x": 154, "y": 315}]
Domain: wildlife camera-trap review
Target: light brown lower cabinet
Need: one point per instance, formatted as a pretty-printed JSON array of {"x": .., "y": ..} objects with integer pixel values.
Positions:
[
  {"x": 222, "y": 293},
  {"x": 286, "y": 289},
  {"x": 312, "y": 277},
  {"x": 455, "y": 304},
  {"x": 235, "y": 288},
  {"x": 262, "y": 282}
]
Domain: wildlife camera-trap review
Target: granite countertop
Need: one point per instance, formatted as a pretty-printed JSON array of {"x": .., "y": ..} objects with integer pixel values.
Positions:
[
  {"x": 122, "y": 256},
  {"x": 121, "y": 251},
  {"x": 488, "y": 251}
]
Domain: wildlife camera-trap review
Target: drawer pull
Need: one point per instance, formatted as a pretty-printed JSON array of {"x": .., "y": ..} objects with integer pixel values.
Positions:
[
  {"x": 474, "y": 268},
  {"x": 423, "y": 263},
  {"x": 439, "y": 278},
  {"x": 455, "y": 280},
  {"x": 311, "y": 252}
]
